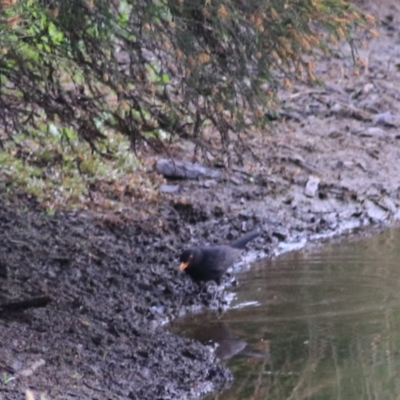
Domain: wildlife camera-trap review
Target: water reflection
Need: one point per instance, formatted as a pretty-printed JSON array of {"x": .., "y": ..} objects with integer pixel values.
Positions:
[
  {"x": 227, "y": 343},
  {"x": 326, "y": 325}
]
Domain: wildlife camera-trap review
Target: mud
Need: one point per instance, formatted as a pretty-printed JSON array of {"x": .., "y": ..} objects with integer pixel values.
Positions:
[{"x": 329, "y": 168}]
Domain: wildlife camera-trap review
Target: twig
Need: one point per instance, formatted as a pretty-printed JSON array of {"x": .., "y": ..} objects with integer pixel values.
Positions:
[{"x": 20, "y": 305}]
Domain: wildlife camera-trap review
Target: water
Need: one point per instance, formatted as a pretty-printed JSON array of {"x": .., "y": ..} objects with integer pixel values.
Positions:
[{"x": 313, "y": 325}]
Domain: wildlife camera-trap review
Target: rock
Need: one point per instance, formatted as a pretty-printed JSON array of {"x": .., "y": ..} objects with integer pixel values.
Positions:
[
  {"x": 336, "y": 108},
  {"x": 387, "y": 119},
  {"x": 236, "y": 181},
  {"x": 367, "y": 88},
  {"x": 375, "y": 212},
  {"x": 387, "y": 204},
  {"x": 208, "y": 183},
  {"x": 348, "y": 164},
  {"x": 335, "y": 133},
  {"x": 373, "y": 131},
  {"x": 184, "y": 170},
  {"x": 168, "y": 188},
  {"x": 312, "y": 186}
]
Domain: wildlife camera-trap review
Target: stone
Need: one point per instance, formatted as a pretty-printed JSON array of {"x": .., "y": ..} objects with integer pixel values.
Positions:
[{"x": 312, "y": 186}]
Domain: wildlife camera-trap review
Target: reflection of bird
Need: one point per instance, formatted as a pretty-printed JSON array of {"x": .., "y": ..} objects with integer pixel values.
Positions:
[
  {"x": 229, "y": 345},
  {"x": 211, "y": 262}
]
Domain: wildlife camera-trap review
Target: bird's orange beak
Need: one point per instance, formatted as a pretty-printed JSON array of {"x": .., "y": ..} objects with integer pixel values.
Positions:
[{"x": 183, "y": 266}]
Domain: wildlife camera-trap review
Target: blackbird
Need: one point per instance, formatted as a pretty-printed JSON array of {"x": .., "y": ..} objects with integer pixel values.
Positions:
[{"x": 210, "y": 263}]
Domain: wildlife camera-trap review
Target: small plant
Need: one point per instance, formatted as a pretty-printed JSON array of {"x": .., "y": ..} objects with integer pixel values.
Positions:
[{"x": 7, "y": 378}]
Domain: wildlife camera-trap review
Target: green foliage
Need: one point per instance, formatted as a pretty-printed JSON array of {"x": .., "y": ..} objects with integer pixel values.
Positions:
[
  {"x": 55, "y": 166},
  {"x": 77, "y": 74},
  {"x": 7, "y": 378}
]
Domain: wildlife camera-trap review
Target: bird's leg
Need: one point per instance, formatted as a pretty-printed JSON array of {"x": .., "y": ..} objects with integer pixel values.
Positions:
[{"x": 202, "y": 285}]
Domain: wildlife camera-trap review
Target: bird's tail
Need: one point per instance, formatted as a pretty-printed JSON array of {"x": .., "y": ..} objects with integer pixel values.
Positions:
[{"x": 242, "y": 241}]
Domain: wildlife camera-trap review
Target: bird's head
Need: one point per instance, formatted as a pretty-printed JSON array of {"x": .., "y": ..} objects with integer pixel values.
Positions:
[{"x": 185, "y": 259}]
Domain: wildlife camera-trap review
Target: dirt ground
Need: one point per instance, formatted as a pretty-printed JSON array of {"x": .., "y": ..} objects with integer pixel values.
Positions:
[{"x": 99, "y": 290}]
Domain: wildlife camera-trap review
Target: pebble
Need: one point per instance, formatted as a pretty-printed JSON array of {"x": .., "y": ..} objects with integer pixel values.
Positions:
[{"x": 312, "y": 186}]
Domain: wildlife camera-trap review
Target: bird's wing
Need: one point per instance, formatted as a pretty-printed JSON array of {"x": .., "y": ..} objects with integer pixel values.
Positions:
[{"x": 223, "y": 256}]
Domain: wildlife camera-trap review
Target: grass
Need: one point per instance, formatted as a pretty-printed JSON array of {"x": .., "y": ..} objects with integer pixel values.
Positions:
[{"x": 59, "y": 170}]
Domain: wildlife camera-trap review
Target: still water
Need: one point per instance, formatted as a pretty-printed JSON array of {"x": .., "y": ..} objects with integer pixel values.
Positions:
[{"x": 313, "y": 325}]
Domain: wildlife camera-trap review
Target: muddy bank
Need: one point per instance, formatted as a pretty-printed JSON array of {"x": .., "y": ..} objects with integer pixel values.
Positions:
[
  {"x": 331, "y": 165},
  {"x": 111, "y": 286}
]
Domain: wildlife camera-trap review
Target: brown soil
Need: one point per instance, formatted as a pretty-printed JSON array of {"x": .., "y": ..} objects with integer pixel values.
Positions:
[{"x": 331, "y": 165}]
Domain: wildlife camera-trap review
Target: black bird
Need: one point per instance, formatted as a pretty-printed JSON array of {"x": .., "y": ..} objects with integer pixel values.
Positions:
[{"x": 210, "y": 263}]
